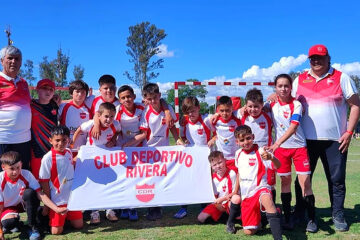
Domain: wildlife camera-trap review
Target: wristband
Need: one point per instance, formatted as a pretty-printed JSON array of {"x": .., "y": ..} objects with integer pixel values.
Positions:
[{"x": 349, "y": 132}]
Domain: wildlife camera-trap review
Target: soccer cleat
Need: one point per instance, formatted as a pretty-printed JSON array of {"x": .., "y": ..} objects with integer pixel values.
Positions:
[
  {"x": 230, "y": 228},
  {"x": 312, "y": 227},
  {"x": 124, "y": 214},
  {"x": 287, "y": 225},
  {"x": 34, "y": 234},
  {"x": 94, "y": 218},
  {"x": 133, "y": 216},
  {"x": 181, "y": 213},
  {"x": 157, "y": 212},
  {"x": 151, "y": 214},
  {"x": 340, "y": 223},
  {"x": 111, "y": 216}
]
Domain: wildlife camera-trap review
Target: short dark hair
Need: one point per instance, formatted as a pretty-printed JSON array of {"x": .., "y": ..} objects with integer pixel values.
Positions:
[
  {"x": 107, "y": 78},
  {"x": 224, "y": 100},
  {"x": 242, "y": 130},
  {"x": 188, "y": 103},
  {"x": 215, "y": 154},
  {"x": 283, "y": 75},
  {"x": 106, "y": 106},
  {"x": 78, "y": 85},
  {"x": 254, "y": 95},
  {"x": 10, "y": 158},
  {"x": 124, "y": 88},
  {"x": 150, "y": 88},
  {"x": 60, "y": 130}
]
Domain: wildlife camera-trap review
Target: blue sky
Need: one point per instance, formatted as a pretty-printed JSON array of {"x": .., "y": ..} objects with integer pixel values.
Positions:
[{"x": 205, "y": 40}]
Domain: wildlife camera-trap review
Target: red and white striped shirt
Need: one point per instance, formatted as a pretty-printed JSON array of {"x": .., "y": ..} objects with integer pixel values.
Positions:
[
  {"x": 224, "y": 185},
  {"x": 106, "y": 133},
  {"x": 197, "y": 133},
  {"x": 93, "y": 103}
]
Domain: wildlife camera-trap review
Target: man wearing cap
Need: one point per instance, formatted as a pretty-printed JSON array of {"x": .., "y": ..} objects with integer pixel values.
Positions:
[
  {"x": 44, "y": 113},
  {"x": 326, "y": 94},
  {"x": 15, "y": 113}
]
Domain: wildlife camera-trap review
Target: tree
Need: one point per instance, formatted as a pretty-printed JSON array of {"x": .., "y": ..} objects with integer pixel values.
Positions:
[
  {"x": 56, "y": 69},
  {"x": 78, "y": 72},
  {"x": 198, "y": 91},
  {"x": 294, "y": 75},
  {"x": 143, "y": 43},
  {"x": 356, "y": 80},
  {"x": 28, "y": 72}
]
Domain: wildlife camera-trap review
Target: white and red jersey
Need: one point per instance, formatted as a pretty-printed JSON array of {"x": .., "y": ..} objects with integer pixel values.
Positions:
[
  {"x": 15, "y": 111},
  {"x": 93, "y": 103},
  {"x": 73, "y": 116},
  {"x": 252, "y": 171},
  {"x": 225, "y": 141},
  {"x": 324, "y": 99},
  {"x": 106, "y": 133},
  {"x": 12, "y": 190},
  {"x": 261, "y": 127},
  {"x": 197, "y": 133},
  {"x": 224, "y": 185},
  {"x": 283, "y": 115},
  {"x": 130, "y": 122},
  {"x": 57, "y": 168},
  {"x": 154, "y": 124}
]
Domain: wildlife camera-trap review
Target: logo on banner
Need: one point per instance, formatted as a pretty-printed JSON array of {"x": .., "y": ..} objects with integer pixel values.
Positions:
[
  {"x": 252, "y": 161},
  {"x": 286, "y": 114},
  {"x": 82, "y": 115},
  {"x": 232, "y": 128},
  {"x": 200, "y": 131},
  {"x": 262, "y": 125},
  {"x": 145, "y": 193}
]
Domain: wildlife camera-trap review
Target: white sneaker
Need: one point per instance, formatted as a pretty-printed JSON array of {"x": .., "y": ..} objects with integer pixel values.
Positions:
[
  {"x": 111, "y": 216},
  {"x": 95, "y": 217}
]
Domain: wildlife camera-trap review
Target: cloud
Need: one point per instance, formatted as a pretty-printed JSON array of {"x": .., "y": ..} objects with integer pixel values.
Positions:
[
  {"x": 348, "y": 68},
  {"x": 164, "y": 52},
  {"x": 284, "y": 65}
]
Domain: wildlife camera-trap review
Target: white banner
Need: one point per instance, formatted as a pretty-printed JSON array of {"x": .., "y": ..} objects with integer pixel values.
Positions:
[{"x": 140, "y": 177}]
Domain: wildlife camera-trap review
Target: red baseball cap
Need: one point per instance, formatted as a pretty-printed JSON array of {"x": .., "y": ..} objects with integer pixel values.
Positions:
[
  {"x": 45, "y": 82},
  {"x": 318, "y": 49}
]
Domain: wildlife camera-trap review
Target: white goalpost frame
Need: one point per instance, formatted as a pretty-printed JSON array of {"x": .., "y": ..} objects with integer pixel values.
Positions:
[{"x": 211, "y": 83}]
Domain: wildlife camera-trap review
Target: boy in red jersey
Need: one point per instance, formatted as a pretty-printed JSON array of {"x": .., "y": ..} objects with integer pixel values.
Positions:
[
  {"x": 227, "y": 198},
  {"x": 43, "y": 118}
]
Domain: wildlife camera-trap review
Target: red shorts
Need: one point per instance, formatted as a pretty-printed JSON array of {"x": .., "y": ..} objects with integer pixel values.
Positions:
[
  {"x": 215, "y": 213},
  {"x": 299, "y": 157},
  {"x": 35, "y": 164},
  {"x": 12, "y": 210},
  {"x": 251, "y": 210},
  {"x": 58, "y": 220}
]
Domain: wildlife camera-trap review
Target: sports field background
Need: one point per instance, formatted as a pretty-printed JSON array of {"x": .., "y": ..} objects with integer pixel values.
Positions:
[{"x": 188, "y": 228}]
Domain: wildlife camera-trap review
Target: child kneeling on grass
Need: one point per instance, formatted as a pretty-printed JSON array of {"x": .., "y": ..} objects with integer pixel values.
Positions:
[
  {"x": 227, "y": 199},
  {"x": 20, "y": 192}
]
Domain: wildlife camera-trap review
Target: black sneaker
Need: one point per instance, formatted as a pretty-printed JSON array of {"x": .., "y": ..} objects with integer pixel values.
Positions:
[
  {"x": 158, "y": 213},
  {"x": 298, "y": 216},
  {"x": 340, "y": 223},
  {"x": 230, "y": 228},
  {"x": 151, "y": 214},
  {"x": 312, "y": 226},
  {"x": 288, "y": 225}
]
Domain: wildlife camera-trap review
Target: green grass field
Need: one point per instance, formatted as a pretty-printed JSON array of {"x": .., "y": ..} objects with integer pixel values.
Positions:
[{"x": 188, "y": 228}]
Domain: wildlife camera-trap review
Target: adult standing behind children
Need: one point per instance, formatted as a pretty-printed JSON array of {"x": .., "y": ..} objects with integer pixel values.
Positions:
[
  {"x": 326, "y": 94},
  {"x": 15, "y": 113}
]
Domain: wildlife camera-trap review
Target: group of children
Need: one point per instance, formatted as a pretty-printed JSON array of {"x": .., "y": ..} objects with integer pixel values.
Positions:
[{"x": 243, "y": 164}]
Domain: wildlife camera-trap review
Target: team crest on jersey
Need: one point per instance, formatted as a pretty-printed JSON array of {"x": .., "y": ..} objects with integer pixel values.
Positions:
[
  {"x": 224, "y": 188},
  {"x": 200, "y": 131},
  {"x": 163, "y": 121},
  {"x": 252, "y": 161},
  {"x": 109, "y": 136},
  {"x": 226, "y": 142},
  {"x": 330, "y": 81},
  {"x": 232, "y": 128},
  {"x": 53, "y": 112},
  {"x": 286, "y": 114},
  {"x": 82, "y": 115},
  {"x": 262, "y": 125},
  {"x": 145, "y": 193}
]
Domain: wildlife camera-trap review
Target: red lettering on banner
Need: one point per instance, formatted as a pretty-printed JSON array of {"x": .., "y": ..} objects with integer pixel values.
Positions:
[
  {"x": 149, "y": 155},
  {"x": 163, "y": 170},
  {"x": 157, "y": 156},
  {"x": 134, "y": 158},
  {"x": 156, "y": 170},
  {"x": 129, "y": 172},
  {"x": 122, "y": 157},
  {"x": 113, "y": 160},
  {"x": 147, "y": 171},
  {"x": 104, "y": 161},
  {"x": 188, "y": 161},
  {"x": 172, "y": 153},
  {"x": 164, "y": 156},
  {"x": 97, "y": 163},
  {"x": 142, "y": 157}
]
